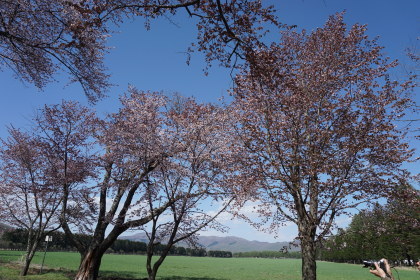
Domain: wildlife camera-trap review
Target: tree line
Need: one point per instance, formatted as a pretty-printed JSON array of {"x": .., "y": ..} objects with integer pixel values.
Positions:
[
  {"x": 269, "y": 255},
  {"x": 16, "y": 240},
  {"x": 388, "y": 231}
]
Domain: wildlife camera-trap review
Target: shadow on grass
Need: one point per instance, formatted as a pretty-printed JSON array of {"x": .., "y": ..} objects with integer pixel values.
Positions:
[
  {"x": 35, "y": 269},
  {"x": 112, "y": 275},
  {"x": 103, "y": 275},
  {"x": 107, "y": 275},
  {"x": 190, "y": 278},
  {"x": 165, "y": 278}
]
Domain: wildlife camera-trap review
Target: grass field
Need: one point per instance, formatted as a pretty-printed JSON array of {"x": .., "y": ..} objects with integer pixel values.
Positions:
[{"x": 190, "y": 268}]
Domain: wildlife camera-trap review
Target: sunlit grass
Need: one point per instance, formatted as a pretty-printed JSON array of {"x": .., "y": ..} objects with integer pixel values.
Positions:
[{"x": 62, "y": 265}]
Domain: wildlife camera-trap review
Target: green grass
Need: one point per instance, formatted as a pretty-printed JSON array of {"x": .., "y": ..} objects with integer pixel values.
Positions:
[
  {"x": 7, "y": 273},
  {"x": 189, "y": 268}
]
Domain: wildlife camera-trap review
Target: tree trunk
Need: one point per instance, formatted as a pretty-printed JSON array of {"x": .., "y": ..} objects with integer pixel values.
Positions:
[
  {"x": 408, "y": 259},
  {"x": 308, "y": 258},
  {"x": 89, "y": 266},
  {"x": 30, "y": 252},
  {"x": 27, "y": 262},
  {"x": 152, "y": 271},
  {"x": 152, "y": 275}
]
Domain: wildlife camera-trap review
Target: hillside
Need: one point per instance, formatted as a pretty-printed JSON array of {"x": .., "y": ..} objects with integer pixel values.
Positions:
[
  {"x": 237, "y": 244},
  {"x": 229, "y": 243}
]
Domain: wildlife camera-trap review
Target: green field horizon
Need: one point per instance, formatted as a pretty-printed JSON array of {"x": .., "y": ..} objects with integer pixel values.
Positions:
[{"x": 63, "y": 265}]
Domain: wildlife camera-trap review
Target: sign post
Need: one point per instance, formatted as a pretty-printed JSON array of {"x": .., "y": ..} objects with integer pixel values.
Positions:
[{"x": 48, "y": 238}]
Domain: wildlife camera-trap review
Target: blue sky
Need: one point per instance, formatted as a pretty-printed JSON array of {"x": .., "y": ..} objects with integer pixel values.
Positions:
[{"x": 156, "y": 60}]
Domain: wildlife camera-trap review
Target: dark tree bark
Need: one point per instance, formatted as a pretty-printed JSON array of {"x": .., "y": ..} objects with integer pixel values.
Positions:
[{"x": 308, "y": 249}]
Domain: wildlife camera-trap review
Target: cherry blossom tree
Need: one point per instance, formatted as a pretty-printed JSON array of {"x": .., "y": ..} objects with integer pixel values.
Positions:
[
  {"x": 112, "y": 158},
  {"x": 27, "y": 199},
  {"x": 195, "y": 174},
  {"x": 98, "y": 167},
  {"x": 40, "y": 37},
  {"x": 316, "y": 123},
  {"x": 108, "y": 170}
]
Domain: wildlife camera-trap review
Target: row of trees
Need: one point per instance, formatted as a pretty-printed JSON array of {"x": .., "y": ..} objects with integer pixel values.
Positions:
[
  {"x": 391, "y": 231},
  {"x": 269, "y": 255},
  {"x": 16, "y": 240},
  {"x": 219, "y": 254},
  {"x": 310, "y": 133}
]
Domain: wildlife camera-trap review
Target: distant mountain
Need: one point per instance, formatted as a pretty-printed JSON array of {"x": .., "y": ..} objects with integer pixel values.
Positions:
[
  {"x": 237, "y": 244},
  {"x": 228, "y": 243}
]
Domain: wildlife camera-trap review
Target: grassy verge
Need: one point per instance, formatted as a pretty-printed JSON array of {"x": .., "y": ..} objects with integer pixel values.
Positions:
[
  {"x": 11, "y": 272},
  {"x": 62, "y": 266}
]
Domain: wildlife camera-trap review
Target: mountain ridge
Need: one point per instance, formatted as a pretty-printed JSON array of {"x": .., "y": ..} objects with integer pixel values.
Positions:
[{"x": 229, "y": 243}]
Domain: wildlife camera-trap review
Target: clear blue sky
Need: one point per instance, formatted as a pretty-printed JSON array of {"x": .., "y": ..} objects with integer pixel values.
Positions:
[{"x": 156, "y": 60}]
